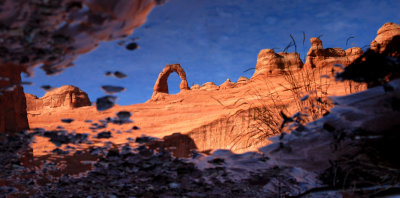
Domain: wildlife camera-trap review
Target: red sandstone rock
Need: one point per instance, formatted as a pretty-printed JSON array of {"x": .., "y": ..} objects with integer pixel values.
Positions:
[
  {"x": 195, "y": 86},
  {"x": 242, "y": 79},
  {"x": 161, "y": 85},
  {"x": 227, "y": 84},
  {"x": 13, "y": 117},
  {"x": 317, "y": 56},
  {"x": 209, "y": 86},
  {"x": 269, "y": 62},
  {"x": 385, "y": 35},
  {"x": 63, "y": 97}
]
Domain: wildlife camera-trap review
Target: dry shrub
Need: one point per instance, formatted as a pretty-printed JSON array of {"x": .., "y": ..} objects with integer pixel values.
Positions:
[{"x": 302, "y": 98}]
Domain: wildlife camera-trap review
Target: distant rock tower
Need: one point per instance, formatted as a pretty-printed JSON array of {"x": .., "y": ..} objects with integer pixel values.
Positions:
[{"x": 161, "y": 85}]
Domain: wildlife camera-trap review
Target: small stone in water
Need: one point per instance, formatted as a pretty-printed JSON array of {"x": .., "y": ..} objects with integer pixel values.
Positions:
[
  {"x": 105, "y": 102},
  {"x": 119, "y": 74},
  {"x": 67, "y": 120},
  {"x": 110, "y": 89}
]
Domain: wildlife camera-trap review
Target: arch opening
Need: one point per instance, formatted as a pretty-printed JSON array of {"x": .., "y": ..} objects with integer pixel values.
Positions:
[
  {"x": 173, "y": 83},
  {"x": 161, "y": 85}
]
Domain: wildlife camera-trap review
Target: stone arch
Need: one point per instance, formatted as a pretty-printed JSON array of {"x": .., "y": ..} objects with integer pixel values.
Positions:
[{"x": 161, "y": 85}]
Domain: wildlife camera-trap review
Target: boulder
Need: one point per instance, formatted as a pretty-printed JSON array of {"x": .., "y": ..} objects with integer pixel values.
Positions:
[
  {"x": 269, "y": 62},
  {"x": 63, "y": 97}
]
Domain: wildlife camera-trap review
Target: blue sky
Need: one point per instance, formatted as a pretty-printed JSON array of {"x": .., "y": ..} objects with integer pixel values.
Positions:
[{"x": 218, "y": 39}]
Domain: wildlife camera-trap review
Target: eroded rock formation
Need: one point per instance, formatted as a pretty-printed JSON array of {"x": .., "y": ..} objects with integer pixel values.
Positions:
[
  {"x": 13, "y": 116},
  {"x": 195, "y": 86},
  {"x": 63, "y": 97},
  {"x": 387, "y": 40},
  {"x": 161, "y": 85},
  {"x": 209, "y": 86},
  {"x": 242, "y": 79},
  {"x": 317, "y": 56},
  {"x": 227, "y": 84},
  {"x": 385, "y": 52},
  {"x": 269, "y": 62}
]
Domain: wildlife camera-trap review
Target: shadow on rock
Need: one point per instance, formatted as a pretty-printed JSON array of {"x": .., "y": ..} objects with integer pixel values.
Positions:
[{"x": 178, "y": 144}]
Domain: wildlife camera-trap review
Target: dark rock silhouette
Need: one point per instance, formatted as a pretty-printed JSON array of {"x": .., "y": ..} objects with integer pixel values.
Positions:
[{"x": 13, "y": 115}]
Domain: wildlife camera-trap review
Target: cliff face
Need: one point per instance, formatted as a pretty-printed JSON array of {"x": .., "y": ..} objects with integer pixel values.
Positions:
[
  {"x": 63, "y": 97},
  {"x": 227, "y": 115}
]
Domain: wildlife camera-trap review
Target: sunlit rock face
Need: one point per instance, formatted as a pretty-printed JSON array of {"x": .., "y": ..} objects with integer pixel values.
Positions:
[
  {"x": 317, "y": 56},
  {"x": 388, "y": 37},
  {"x": 227, "y": 84},
  {"x": 64, "y": 97},
  {"x": 54, "y": 33},
  {"x": 209, "y": 86},
  {"x": 269, "y": 62}
]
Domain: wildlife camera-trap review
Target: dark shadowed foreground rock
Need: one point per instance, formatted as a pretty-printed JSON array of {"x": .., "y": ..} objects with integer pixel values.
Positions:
[
  {"x": 348, "y": 152},
  {"x": 13, "y": 116}
]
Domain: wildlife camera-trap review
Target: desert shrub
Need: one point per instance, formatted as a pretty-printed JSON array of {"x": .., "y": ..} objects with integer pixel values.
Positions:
[{"x": 300, "y": 98}]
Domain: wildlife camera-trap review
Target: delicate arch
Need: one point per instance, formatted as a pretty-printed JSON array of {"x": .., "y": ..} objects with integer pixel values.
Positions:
[{"x": 161, "y": 85}]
